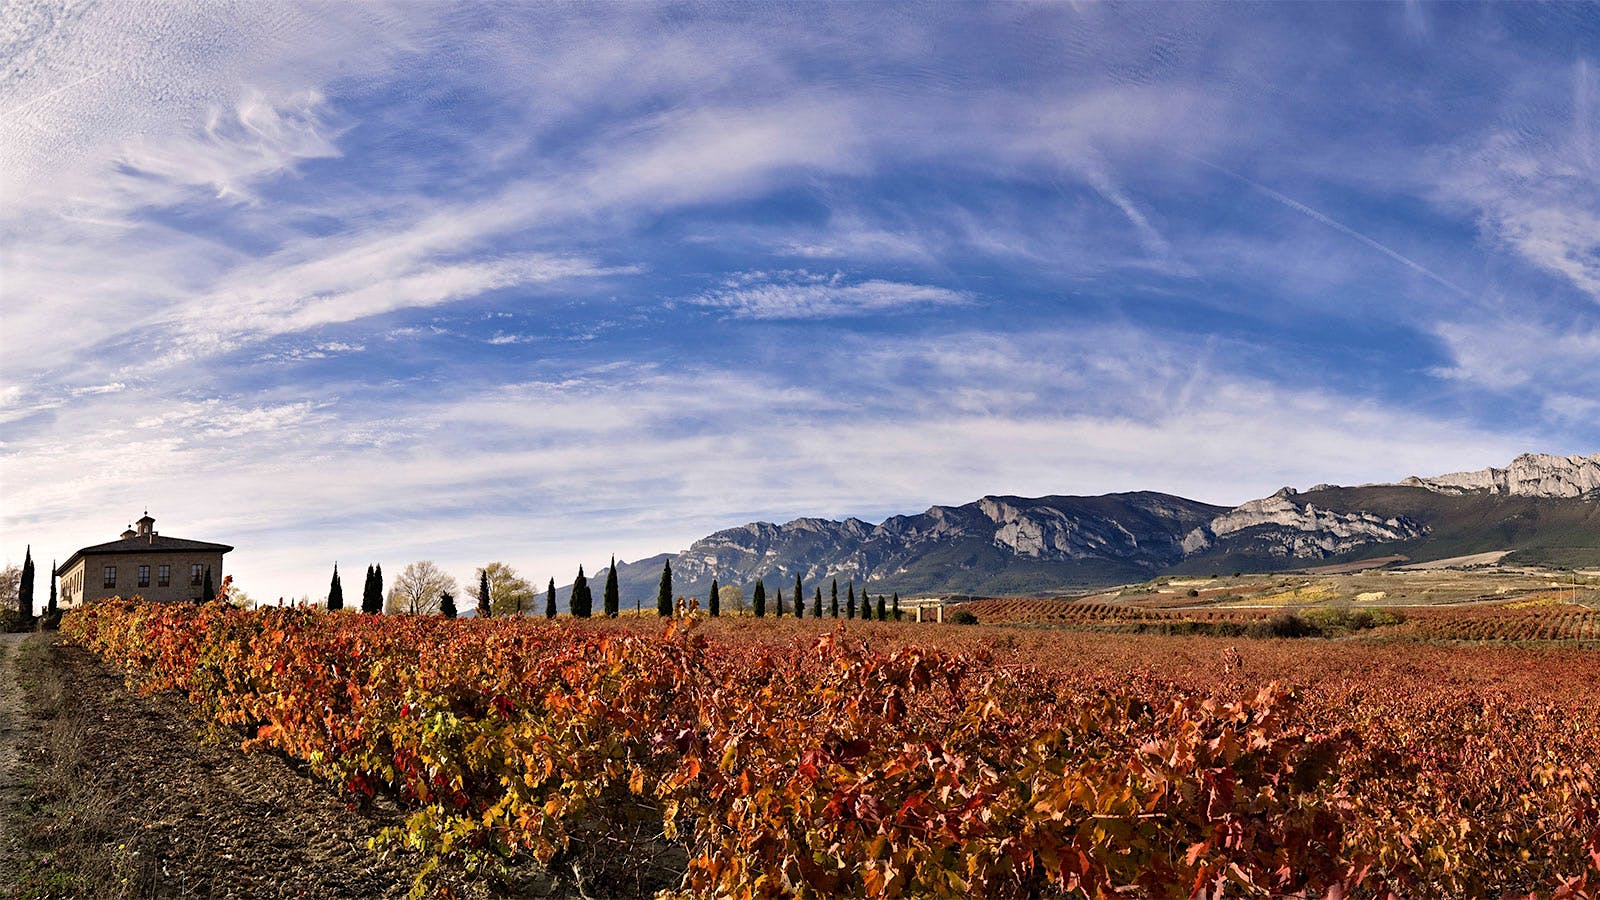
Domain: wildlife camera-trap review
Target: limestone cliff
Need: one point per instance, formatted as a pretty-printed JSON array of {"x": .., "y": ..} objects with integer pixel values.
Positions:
[
  {"x": 1279, "y": 526},
  {"x": 1529, "y": 475}
]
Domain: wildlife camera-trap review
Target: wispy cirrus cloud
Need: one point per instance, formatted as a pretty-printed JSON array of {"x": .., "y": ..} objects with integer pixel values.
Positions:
[
  {"x": 807, "y": 295},
  {"x": 671, "y": 453},
  {"x": 451, "y": 283},
  {"x": 1534, "y": 182}
]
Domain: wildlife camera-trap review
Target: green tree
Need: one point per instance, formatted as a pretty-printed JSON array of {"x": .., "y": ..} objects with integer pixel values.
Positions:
[
  {"x": 881, "y": 609},
  {"x": 485, "y": 597},
  {"x": 799, "y": 599},
  {"x": 581, "y": 601},
  {"x": 664, "y": 592},
  {"x": 613, "y": 596},
  {"x": 510, "y": 594},
  {"x": 372, "y": 594},
  {"x": 447, "y": 605},
  {"x": 25, "y": 590},
  {"x": 335, "y": 590},
  {"x": 816, "y": 603},
  {"x": 779, "y": 613},
  {"x": 550, "y": 601},
  {"x": 897, "y": 606},
  {"x": 209, "y": 591},
  {"x": 850, "y": 605},
  {"x": 758, "y": 600},
  {"x": 51, "y": 609},
  {"x": 834, "y": 606},
  {"x": 713, "y": 602}
]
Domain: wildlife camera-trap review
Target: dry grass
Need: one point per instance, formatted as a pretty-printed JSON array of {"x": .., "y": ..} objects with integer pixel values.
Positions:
[{"x": 68, "y": 837}]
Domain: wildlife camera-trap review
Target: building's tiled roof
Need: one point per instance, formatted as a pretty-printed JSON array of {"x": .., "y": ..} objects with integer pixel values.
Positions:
[{"x": 144, "y": 544}]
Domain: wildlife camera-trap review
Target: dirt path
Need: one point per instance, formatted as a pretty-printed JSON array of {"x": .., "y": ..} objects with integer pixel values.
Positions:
[
  {"x": 106, "y": 793},
  {"x": 15, "y": 730},
  {"x": 123, "y": 799}
]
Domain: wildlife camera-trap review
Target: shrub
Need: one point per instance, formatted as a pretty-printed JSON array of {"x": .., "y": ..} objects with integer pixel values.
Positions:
[
  {"x": 963, "y": 617},
  {"x": 1283, "y": 625}
]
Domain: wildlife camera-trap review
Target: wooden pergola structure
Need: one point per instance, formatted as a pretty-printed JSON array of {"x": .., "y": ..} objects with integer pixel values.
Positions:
[{"x": 918, "y": 604}]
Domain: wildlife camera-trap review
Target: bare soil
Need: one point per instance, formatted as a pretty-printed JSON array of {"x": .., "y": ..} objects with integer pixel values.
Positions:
[
  {"x": 121, "y": 797},
  {"x": 105, "y": 792}
]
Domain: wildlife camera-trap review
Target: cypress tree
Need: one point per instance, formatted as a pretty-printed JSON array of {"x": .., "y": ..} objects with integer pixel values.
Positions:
[
  {"x": 850, "y": 607},
  {"x": 50, "y": 610},
  {"x": 447, "y": 605},
  {"x": 582, "y": 602},
  {"x": 377, "y": 588},
  {"x": 714, "y": 604},
  {"x": 897, "y": 606},
  {"x": 664, "y": 593},
  {"x": 816, "y": 603},
  {"x": 779, "y": 613},
  {"x": 758, "y": 602},
  {"x": 550, "y": 601},
  {"x": 25, "y": 589},
  {"x": 209, "y": 592},
  {"x": 881, "y": 610},
  {"x": 612, "y": 597},
  {"x": 799, "y": 599},
  {"x": 485, "y": 604},
  {"x": 366, "y": 591},
  {"x": 834, "y": 609},
  {"x": 335, "y": 590}
]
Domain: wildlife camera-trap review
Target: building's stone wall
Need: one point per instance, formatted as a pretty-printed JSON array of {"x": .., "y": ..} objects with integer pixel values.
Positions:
[{"x": 84, "y": 581}]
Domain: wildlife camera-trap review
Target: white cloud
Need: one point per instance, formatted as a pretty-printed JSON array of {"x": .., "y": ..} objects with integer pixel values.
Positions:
[
  {"x": 1536, "y": 187},
  {"x": 110, "y": 388},
  {"x": 663, "y": 455},
  {"x": 1556, "y": 368},
  {"x": 257, "y": 138},
  {"x": 808, "y": 296}
]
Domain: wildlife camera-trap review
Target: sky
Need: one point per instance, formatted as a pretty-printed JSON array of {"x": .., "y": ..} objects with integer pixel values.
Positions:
[{"x": 544, "y": 283}]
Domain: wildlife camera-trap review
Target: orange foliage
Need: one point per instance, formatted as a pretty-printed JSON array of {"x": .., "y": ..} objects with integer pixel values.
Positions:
[{"x": 796, "y": 762}]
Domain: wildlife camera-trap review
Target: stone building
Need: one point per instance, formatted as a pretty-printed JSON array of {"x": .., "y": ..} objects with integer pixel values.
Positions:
[{"x": 141, "y": 563}]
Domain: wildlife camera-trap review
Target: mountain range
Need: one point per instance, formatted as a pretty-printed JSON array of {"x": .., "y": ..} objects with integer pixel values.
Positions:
[{"x": 1544, "y": 509}]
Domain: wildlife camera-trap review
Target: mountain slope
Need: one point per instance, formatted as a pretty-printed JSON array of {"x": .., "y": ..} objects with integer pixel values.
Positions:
[
  {"x": 1546, "y": 509},
  {"x": 996, "y": 544}
]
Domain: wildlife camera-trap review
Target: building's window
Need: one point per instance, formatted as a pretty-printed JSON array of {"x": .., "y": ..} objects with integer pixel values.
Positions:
[
  {"x": 194, "y": 574},
  {"x": 144, "y": 576},
  {"x": 111, "y": 576},
  {"x": 163, "y": 576}
]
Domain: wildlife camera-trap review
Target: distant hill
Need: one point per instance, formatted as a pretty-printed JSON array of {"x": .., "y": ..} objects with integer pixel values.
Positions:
[{"x": 1545, "y": 509}]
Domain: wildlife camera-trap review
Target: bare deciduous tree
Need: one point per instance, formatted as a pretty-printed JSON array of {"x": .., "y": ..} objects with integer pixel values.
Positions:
[{"x": 418, "y": 588}]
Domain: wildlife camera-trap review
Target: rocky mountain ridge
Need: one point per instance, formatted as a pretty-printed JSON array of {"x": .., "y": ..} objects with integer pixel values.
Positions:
[
  {"x": 1278, "y": 526},
  {"x": 1529, "y": 475},
  {"x": 1006, "y": 544}
]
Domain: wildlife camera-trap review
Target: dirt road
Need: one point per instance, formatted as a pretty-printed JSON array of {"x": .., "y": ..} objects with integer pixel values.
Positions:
[
  {"x": 107, "y": 793},
  {"x": 121, "y": 798},
  {"x": 16, "y": 728}
]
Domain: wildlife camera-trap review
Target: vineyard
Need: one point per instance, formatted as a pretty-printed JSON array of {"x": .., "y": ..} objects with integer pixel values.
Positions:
[
  {"x": 808, "y": 763},
  {"x": 1515, "y": 622},
  {"x": 1508, "y": 623},
  {"x": 1006, "y": 610}
]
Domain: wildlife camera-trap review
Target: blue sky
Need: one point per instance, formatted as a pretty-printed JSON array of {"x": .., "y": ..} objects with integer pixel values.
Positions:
[{"x": 545, "y": 283}]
